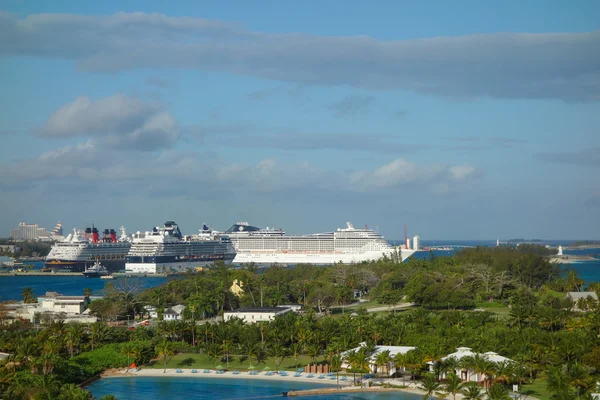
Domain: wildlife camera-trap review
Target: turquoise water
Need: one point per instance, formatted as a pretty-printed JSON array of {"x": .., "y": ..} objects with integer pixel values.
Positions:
[{"x": 180, "y": 388}]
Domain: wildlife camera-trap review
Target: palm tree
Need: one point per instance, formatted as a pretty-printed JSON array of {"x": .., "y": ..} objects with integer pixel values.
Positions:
[
  {"x": 73, "y": 392},
  {"x": 557, "y": 381},
  {"x": 382, "y": 359},
  {"x": 164, "y": 349},
  {"x": 278, "y": 352},
  {"x": 468, "y": 363},
  {"x": 498, "y": 392},
  {"x": 73, "y": 335},
  {"x": 400, "y": 361},
  {"x": 453, "y": 384},
  {"x": 99, "y": 332},
  {"x": 471, "y": 391},
  {"x": 87, "y": 292},
  {"x": 430, "y": 384},
  {"x": 226, "y": 350},
  {"x": 313, "y": 351},
  {"x": 336, "y": 366},
  {"x": 128, "y": 349},
  {"x": 28, "y": 295}
]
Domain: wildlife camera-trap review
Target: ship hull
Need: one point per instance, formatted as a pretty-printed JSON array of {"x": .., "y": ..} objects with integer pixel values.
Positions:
[
  {"x": 58, "y": 265},
  {"x": 176, "y": 266},
  {"x": 325, "y": 258}
]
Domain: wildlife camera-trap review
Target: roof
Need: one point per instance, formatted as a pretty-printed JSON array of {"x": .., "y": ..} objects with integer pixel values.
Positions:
[
  {"x": 582, "y": 295},
  {"x": 178, "y": 308},
  {"x": 170, "y": 311},
  {"x": 260, "y": 310},
  {"x": 380, "y": 349},
  {"x": 467, "y": 352}
]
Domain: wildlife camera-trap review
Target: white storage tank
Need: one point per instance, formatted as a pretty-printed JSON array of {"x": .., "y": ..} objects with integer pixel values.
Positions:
[{"x": 416, "y": 243}]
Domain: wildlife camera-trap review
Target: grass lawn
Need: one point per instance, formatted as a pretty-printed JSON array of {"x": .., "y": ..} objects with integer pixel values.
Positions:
[
  {"x": 202, "y": 361},
  {"x": 537, "y": 389},
  {"x": 501, "y": 311}
]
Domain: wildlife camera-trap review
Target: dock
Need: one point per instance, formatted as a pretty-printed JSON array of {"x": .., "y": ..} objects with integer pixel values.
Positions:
[
  {"x": 328, "y": 391},
  {"x": 39, "y": 273}
]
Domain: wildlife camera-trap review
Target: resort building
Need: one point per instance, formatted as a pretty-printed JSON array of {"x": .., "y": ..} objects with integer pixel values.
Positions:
[
  {"x": 581, "y": 300},
  {"x": 29, "y": 232},
  {"x": 53, "y": 306},
  {"x": 467, "y": 374},
  {"x": 174, "y": 313},
  {"x": 256, "y": 314},
  {"x": 387, "y": 369}
]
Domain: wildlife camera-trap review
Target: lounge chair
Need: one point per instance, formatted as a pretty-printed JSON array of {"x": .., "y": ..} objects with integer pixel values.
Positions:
[
  {"x": 321, "y": 376},
  {"x": 179, "y": 371},
  {"x": 300, "y": 370},
  {"x": 344, "y": 378},
  {"x": 297, "y": 374},
  {"x": 332, "y": 378},
  {"x": 310, "y": 375},
  {"x": 194, "y": 371}
]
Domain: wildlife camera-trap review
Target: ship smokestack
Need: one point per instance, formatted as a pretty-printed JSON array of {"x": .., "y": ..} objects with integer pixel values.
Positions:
[
  {"x": 113, "y": 235},
  {"x": 87, "y": 233},
  {"x": 106, "y": 236},
  {"x": 95, "y": 235}
]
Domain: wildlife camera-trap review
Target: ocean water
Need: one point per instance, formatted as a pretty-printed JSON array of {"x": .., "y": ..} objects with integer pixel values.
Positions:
[
  {"x": 12, "y": 286},
  {"x": 183, "y": 388}
]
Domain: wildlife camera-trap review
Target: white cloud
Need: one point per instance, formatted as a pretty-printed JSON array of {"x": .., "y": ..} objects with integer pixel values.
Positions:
[
  {"x": 503, "y": 65},
  {"x": 117, "y": 121},
  {"x": 173, "y": 172},
  {"x": 400, "y": 172}
]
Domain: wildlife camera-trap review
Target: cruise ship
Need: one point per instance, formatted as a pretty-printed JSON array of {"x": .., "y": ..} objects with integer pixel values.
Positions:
[
  {"x": 167, "y": 250},
  {"x": 81, "y": 249},
  {"x": 347, "y": 245}
]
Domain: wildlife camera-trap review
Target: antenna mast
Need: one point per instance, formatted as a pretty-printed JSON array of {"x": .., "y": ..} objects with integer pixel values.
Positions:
[{"x": 405, "y": 237}]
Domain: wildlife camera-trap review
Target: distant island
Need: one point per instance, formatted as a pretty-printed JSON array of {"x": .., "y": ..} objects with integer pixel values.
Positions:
[
  {"x": 521, "y": 240},
  {"x": 582, "y": 243}
]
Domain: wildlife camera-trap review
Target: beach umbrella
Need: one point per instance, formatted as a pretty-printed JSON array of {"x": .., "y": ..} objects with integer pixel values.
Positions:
[
  {"x": 251, "y": 367},
  {"x": 219, "y": 366},
  {"x": 267, "y": 368}
]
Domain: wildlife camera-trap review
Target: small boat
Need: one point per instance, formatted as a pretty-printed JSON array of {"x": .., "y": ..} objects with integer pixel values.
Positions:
[
  {"x": 107, "y": 277},
  {"x": 95, "y": 271}
]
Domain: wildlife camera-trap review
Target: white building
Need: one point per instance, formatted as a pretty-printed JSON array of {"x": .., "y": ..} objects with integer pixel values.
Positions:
[
  {"x": 468, "y": 374},
  {"x": 256, "y": 314},
  {"x": 68, "y": 308},
  {"x": 174, "y": 313},
  {"x": 389, "y": 369},
  {"x": 29, "y": 232},
  {"x": 65, "y": 304},
  {"x": 416, "y": 242},
  {"x": 151, "y": 311},
  {"x": 576, "y": 297}
]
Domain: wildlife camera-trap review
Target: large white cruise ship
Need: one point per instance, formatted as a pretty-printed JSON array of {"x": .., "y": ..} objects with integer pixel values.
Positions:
[
  {"x": 348, "y": 245},
  {"x": 79, "y": 249},
  {"x": 166, "y": 249}
]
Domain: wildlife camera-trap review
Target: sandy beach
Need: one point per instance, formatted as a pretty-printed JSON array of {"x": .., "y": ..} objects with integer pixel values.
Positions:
[
  {"x": 411, "y": 387},
  {"x": 344, "y": 385}
]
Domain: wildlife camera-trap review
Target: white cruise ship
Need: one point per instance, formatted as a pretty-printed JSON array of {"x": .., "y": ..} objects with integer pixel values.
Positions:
[
  {"x": 166, "y": 249},
  {"x": 348, "y": 245},
  {"x": 81, "y": 249}
]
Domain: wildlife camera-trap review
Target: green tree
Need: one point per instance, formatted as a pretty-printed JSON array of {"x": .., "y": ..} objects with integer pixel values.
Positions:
[
  {"x": 165, "y": 350},
  {"x": 498, "y": 392},
  {"x": 28, "y": 295},
  {"x": 430, "y": 384},
  {"x": 471, "y": 391},
  {"x": 453, "y": 385}
]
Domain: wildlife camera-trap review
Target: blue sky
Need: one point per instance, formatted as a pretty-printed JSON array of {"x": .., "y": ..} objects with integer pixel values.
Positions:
[{"x": 468, "y": 120}]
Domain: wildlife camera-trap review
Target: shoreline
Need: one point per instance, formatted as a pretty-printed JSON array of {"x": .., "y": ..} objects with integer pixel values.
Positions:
[{"x": 344, "y": 386}]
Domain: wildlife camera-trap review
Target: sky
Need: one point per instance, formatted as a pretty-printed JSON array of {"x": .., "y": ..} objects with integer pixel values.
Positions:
[{"x": 462, "y": 120}]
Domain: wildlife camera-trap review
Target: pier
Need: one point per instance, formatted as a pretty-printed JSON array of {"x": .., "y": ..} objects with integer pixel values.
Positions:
[
  {"x": 39, "y": 273},
  {"x": 327, "y": 391}
]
